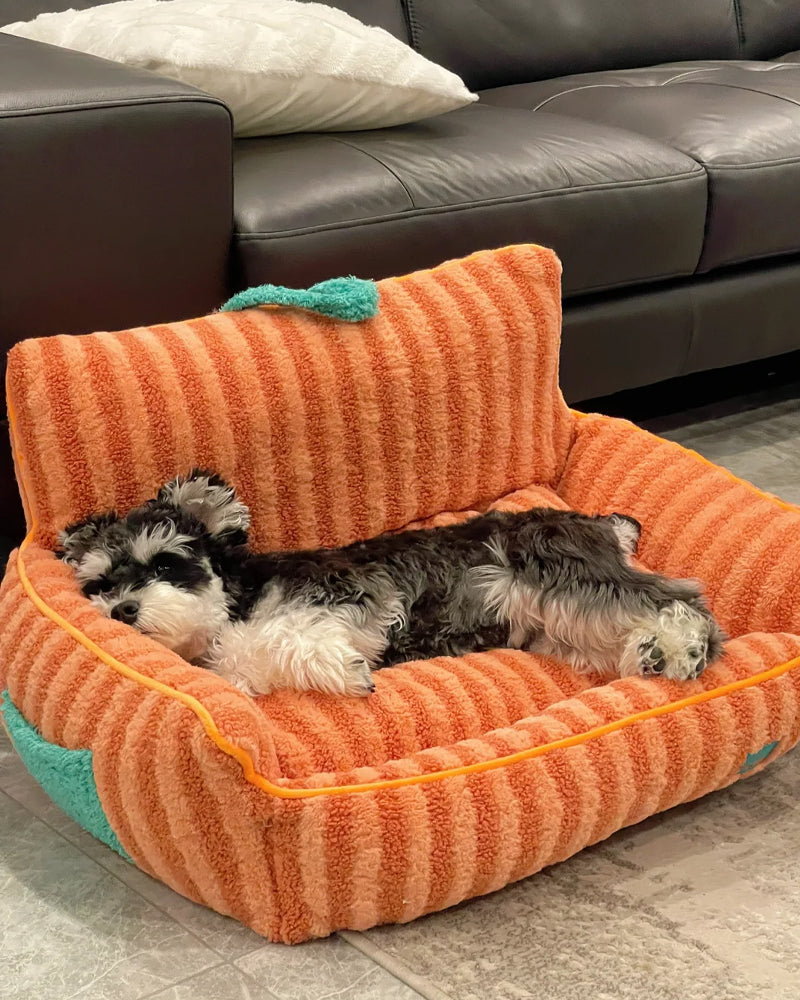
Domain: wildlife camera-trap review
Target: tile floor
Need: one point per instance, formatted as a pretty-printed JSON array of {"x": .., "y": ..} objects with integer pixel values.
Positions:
[{"x": 701, "y": 903}]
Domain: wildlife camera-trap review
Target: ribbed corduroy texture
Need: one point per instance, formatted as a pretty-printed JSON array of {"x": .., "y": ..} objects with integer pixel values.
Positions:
[
  {"x": 445, "y": 403},
  {"x": 449, "y": 398}
]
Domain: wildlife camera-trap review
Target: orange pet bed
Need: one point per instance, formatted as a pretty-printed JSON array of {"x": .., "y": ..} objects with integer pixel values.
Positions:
[{"x": 300, "y": 813}]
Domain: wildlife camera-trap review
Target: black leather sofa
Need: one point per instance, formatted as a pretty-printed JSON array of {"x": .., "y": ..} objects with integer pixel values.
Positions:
[{"x": 655, "y": 146}]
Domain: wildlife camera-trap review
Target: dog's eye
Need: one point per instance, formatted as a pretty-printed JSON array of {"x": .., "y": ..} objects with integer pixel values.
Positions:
[
  {"x": 100, "y": 586},
  {"x": 163, "y": 562}
]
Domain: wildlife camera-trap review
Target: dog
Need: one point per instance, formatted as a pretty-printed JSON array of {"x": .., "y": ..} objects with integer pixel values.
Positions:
[{"x": 558, "y": 583}]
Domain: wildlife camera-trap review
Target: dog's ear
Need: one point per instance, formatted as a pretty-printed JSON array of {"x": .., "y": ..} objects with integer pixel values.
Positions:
[
  {"x": 628, "y": 530},
  {"x": 80, "y": 538},
  {"x": 716, "y": 640},
  {"x": 209, "y": 499}
]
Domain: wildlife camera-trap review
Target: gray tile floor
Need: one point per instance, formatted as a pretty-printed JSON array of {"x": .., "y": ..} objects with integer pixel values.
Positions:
[{"x": 701, "y": 903}]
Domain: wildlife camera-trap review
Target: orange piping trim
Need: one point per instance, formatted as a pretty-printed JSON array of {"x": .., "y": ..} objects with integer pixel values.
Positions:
[
  {"x": 255, "y": 778},
  {"x": 245, "y": 761}
]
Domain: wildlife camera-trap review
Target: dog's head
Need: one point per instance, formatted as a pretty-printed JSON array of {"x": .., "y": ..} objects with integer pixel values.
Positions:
[{"x": 154, "y": 568}]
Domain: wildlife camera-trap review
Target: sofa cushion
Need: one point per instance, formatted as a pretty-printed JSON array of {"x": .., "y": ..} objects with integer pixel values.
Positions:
[
  {"x": 509, "y": 41},
  {"x": 739, "y": 120},
  {"x": 366, "y": 203},
  {"x": 769, "y": 27},
  {"x": 643, "y": 335}
]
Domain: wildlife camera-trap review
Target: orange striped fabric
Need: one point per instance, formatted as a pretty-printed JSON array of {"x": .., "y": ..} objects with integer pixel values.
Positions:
[
  {"x": 299, "y": 813},
  {"x": 331, "y": 431},
  {"x": 698, "y": 520}
]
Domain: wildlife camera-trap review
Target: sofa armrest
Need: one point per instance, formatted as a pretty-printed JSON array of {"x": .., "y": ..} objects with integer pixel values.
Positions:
[
  {"x": 698, "y": 520},
  {"x": 115, "y": 194}
]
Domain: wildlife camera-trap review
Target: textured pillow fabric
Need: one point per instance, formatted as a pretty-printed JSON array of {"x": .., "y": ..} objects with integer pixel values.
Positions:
[{"x": 279, "y": 65}]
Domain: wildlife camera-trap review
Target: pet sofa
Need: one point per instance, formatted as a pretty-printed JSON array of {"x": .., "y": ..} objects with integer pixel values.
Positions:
[{"x": 300, "y": 813}]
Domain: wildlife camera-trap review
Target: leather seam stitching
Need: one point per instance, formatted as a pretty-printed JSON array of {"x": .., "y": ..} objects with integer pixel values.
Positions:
[
  {"x": 121, "y": 103},
  {"x": 761, "y": 165},
  {"x": 739, "y": 16},
  {"x": 750, "y": 90},
  {"x": 733, "y": 261},
  {"x": 469, "y": 205},
  {"x": 664, "y": 83},
  {"x": 413, "y": 24},
  {"x": 573, "y": 90},
  {"x": 385, "y": 166}
]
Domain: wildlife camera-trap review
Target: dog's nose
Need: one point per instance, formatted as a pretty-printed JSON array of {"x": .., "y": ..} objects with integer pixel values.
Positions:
[{"x": 126, "y": 611}]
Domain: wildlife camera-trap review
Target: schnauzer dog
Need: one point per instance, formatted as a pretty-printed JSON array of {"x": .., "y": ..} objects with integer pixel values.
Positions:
[{"x": 554, "y": 582}]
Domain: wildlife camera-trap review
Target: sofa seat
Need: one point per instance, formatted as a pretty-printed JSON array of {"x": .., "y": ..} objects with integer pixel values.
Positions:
[
  {"x": 619, "y": 207},
  {"x": 740, "y": 121}
]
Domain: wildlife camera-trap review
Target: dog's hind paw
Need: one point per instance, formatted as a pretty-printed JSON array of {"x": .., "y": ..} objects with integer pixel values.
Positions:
[{"x": 677, "y": 647}]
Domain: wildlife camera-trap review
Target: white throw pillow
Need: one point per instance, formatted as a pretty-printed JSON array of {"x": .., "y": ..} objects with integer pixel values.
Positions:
[{"x": 279, "y": 65}]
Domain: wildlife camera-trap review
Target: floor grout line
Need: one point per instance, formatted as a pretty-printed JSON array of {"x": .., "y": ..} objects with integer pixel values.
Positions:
[
  {"x": 185, "y": 979},
  {"x": 393, "y": 965},
  {"x": 224, "y": 959},
  {"x": 12, "y": 798}
]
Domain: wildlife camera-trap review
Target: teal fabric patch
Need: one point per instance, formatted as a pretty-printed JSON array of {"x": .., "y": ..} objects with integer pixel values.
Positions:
[
  {"x": 350, "y": 299},
  {"x": 755, "y": 758},
  {"x": 66, "y": 775}
]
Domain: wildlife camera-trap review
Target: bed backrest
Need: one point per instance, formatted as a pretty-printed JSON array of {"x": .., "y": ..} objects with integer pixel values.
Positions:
[{"x": 447, "y": 400}]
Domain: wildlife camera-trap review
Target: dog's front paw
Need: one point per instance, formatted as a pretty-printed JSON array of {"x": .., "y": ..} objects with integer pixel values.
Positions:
[
  {"x": 357, "y": 680},
  {"x": 243, "y": 684},
  {"x": 338, "y": 671}
]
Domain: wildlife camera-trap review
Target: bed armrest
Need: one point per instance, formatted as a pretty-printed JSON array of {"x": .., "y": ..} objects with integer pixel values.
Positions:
[
  {"x": 115, "y": 194},
  {"x": 698, "y": 521}
]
